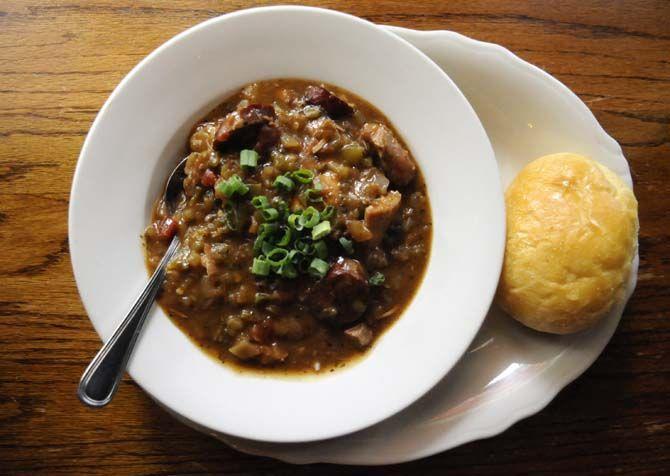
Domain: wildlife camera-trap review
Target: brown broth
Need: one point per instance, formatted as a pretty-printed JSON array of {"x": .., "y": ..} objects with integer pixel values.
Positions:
[{"x": 210, "y": 295}]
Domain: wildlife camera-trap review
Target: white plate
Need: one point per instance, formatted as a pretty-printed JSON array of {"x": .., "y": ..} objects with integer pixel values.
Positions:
[
  {"x": 510, "y": 372},
  {"x": 138, "y": 137}
]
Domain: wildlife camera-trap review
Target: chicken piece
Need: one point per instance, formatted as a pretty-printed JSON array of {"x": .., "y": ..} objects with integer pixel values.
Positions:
[
  {"x": 213, "y": 257},
  {"x": 360, "y": 334},
  {"x": 393, "y": 157},
  {"x": 358, "y": 230},
  {"x": 380, "y": 213},
  {"x": 330, "y": 187},
  {"x": 327, "y": 137},
  {"x": 370, "y": 184},
  {"x": 245, "y": 350},
  {"x": 271, "y": 354}
]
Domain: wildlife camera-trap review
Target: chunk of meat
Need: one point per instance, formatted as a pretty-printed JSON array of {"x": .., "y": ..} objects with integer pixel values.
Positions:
[
  {"x": 358, "y": 230},
  {"x": 377, "y": 259},
  {"x": 247, "y": 127},
  {"x": 394, "y": 159},
  {"x": 271, "y": 354},
  {"x": 334, "y": 106},
  {"x": 327, "y": 137},
  {"x": 341, "y": 296},
  {"x": 245, "y": 350},
  {"x": 330, "y": 187},
  {"x": 360, "y": 334},
  {"x": 213, "y": 257},
  {"x": 380, "y": 213},
  {"x": 370, "y": 184},
  {"x": 268, "y": 136},
  {"x": 266, "y": 354}
]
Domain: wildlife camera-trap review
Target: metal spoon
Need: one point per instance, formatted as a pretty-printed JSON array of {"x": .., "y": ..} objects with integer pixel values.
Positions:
[{"x": 101, "y": 378}]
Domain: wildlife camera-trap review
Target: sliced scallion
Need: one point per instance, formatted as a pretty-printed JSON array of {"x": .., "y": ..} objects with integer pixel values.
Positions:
[
  {"x": 310, "y": 217},
  {"x": 318, "y": 268},
  {"x": 268, "y": 228},
  {"x": 284, "y": 183},
  {"x": 321, "y": 230},
  {"x": 294, "y": 221},
  {"x": 304, "y": 246},
  {"x": 260, "y": 266},
  {"x": 313, "y": 195},
  {"x": 267, "y": 247},
  {"x": 327, "y": 212},
  {"x": 270, "y": 214},
  {"x": 232, "y": 187},
  {"x": 321, "y": 249},
  {"x": 260, "y": 202},
  {"x": 287, "y": 270},
  {"x": 277, "y": 257},
  {"x": 286, "y": 237},
  {"x": 249, "y": 159},
  {"x": 303, "y": 175},
  {"x": 347, "y": 245}
]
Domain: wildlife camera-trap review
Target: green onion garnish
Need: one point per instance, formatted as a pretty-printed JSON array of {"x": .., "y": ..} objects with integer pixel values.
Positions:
[
  {"x": 303, "y": 263},
  {"x": 304, "y": 246},
  {"x": 286, "y": 237},
  {"x": 260, "y": 202},
  {"x": 321, "y": 249},
  {"x": 249, "y": 158},
  {"x": 281, "y": 206},
  {"x": 310, "y": 217},
  {"x": 294, "y": 256},
  {"x": 287, "y": 270},
  {"x": 260, "y": 266},
  {"x": 294, "y": 221},
  {"x": 270, "y": 214},
  {"x": 327, "y": 212},
  {"x": 303, "y": 175},
  {"x": 277, "y": 257},
  {"x": 313, "y": 195},
  {"x": 267, "y": 247},
  {"x": 318, "y": 268},
  {"x": 234, "y": 186},
  {"x": 347, "y": 245},
  {"x": 321, "y": 230},
  {"x": 283, "y": 183},
  {"x": 258, "y": 243},
  {"x": 268, "y": 228},
  {"x": 377, "y": 279}
]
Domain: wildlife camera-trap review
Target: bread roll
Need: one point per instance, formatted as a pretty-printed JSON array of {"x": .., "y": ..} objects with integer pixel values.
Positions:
[{"x": 571, "y": 237}]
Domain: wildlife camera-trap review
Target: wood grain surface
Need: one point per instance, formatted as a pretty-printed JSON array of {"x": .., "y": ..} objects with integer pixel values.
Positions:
[{"x": 59, "y": 60}]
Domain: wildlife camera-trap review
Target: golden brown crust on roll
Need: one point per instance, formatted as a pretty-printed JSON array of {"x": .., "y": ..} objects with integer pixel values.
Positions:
[{"x": 571, "y": 236}]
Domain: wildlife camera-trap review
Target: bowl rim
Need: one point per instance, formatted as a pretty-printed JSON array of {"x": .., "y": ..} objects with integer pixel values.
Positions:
[{"x": 499, "y": 205}]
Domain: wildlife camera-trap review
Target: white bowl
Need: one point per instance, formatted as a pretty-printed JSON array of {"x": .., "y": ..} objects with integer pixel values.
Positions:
[{"x": 140, "y": 134}]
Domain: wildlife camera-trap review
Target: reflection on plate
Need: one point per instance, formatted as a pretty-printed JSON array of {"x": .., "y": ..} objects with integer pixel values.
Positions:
[{"x": 509, "y": 372}]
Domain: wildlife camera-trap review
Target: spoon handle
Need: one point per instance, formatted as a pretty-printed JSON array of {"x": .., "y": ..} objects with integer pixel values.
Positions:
[{"x": 101, "y": 378}]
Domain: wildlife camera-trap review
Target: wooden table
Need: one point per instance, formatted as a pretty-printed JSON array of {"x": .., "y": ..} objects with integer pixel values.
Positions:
[{"x": 59, "y": 60}]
